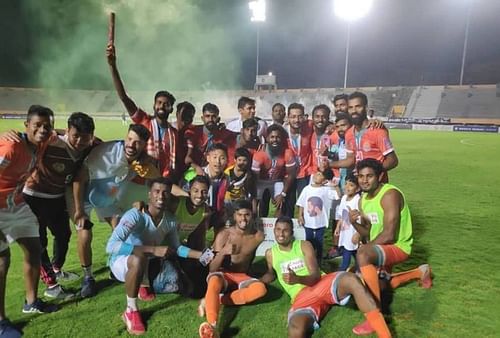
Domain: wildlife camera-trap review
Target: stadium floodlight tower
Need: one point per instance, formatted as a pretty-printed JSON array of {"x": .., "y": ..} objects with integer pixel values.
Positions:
[
  {"x": 258, "y": 8},
  {"x": 350, "y": 10}
]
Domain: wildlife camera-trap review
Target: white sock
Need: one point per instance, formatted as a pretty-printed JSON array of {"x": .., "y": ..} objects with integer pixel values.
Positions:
[
  {"x": 131, "y": 304},
  {"x": 87, "y": 270}
]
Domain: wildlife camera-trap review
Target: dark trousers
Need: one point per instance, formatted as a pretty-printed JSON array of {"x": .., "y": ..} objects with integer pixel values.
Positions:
[
  {"x": 51, "y": 214},
  {"x": 315, "y": 236},
  {"x": 291, "y": 196},
  {"x": 346, "y": 259}
]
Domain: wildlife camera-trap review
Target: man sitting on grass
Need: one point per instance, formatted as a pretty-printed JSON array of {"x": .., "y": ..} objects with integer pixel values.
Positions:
[
  {"x": 235, "y": 248},
  {"x": 312, "y": 293},
  {"x": 383, "y": 217},
  {"x": 139, "y": 236}
]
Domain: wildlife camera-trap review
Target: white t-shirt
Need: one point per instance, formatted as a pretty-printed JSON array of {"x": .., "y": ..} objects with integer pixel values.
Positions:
[
  {"x": 317, "y": 202},
  {"x": 346, "y": 228}
]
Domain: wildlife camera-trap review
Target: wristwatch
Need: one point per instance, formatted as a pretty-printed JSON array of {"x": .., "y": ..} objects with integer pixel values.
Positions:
[{"x": 283, "y": 194}]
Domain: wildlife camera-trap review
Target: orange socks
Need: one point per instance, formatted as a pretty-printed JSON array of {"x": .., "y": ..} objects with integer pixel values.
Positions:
[
  {"x": 245, "y": 295},
  {"x": 377, "y": 322},
  {"x": 370, "y": 276},
  {"x": 212, "y": 303},
  {"x": 402, "y": 277}
]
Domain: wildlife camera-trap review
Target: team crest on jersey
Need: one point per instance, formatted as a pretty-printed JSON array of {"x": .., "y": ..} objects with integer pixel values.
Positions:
[
  {"x": 373, "y": 217},
  {"x": 58, "y": 166},
  {"x": 366, "y": 147}
]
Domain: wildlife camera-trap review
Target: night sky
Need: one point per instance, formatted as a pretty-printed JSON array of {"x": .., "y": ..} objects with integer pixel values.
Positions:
[{"x": 400, "y": 42}]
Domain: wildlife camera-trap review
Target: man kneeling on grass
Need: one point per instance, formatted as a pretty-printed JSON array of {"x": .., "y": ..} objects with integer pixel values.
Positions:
[
  {"x": 312, "y": 292},
  {"x": 139, "y": 236},
  {"x": 235, "y": 248}
]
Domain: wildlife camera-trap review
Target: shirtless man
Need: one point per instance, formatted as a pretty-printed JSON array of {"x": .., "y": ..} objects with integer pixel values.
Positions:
[{"x": 235, "y": 250}]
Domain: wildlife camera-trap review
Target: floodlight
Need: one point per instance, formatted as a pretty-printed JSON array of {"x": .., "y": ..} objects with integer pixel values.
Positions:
[
  {"x": 351, "y": 10},
  {"x": 258, "y": 8}
]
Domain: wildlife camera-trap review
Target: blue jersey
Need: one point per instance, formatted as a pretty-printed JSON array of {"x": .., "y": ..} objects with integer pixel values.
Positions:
[{"x": 136, "y": 228}]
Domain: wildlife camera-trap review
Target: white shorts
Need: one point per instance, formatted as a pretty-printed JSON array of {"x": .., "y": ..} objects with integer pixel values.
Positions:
[
  {"x": 119, "y": 268},
  {"x": 274, "y": 187},
  {"x": 17, "y": 222}
]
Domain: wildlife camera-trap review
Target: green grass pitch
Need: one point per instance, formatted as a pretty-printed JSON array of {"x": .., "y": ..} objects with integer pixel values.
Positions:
[{"x": 452, "y": 184}]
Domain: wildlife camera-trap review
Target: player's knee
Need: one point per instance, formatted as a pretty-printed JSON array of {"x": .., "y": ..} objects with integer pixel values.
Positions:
[
  {"x": 363, "y": 256},
  {"x": 136, "y": 262},
  {"x": 298, "y": 327},
  {"x": 259, "y": 289}
]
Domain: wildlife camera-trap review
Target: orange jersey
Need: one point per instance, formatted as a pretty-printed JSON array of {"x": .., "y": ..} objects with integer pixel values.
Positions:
[
  {"x": 369, "y": 143},
  {"x": 268, "y": 168},
  {"x": 160, "y": 147},
  {"x": 319, "y": 143},
  {"x": 300, "y": 145},
  {"x": 199, "y": 139},
  {"x": 16, "y": 162}
]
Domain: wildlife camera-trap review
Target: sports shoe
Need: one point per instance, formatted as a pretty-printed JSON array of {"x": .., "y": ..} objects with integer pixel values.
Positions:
[
  {"x": 39, "y": 306},
  {"x": 57, "y": 292},
  {"x": 133, "y": 321},
  {"x": 201, "y": 308},
  {"x": 207, "y": 331},
  {"x": 66, "y": 276},
  {"x": 146, "y": 294},
  {"x": 426, "y": 279},
  {"x": 88, "y": 287},
  {"x": 363, "y": 329},
  {"x": 7, "y": 330}
]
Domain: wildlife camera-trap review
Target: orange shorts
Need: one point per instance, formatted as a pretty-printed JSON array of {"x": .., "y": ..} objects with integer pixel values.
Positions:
[
  {"x": 233, "y": 280},
  {"x": 389, "y": 255},
  {"x": 316, "y": 300}
]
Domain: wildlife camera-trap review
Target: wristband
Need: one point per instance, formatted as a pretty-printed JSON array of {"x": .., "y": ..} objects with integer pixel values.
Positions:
[{"x": 183, "y": 251}]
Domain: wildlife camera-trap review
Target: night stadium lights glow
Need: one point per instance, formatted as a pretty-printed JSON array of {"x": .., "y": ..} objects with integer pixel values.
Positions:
[
  {"x": 351, "y": 10},
  {"x": 258, "y": 9}
]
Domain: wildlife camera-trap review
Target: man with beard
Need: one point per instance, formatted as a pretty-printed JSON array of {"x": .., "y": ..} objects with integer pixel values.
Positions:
[
  {"x": 320, "y": 140},
  {"x": 278, "y": 113},
  {"x": 342, "y": 158},
  {"x": 384, "y": 218},
  {"x": 246, "y": 109},
  {"x": 163, "y": 137},
  {"x": 312, "y": 292},
  {"x": 17, "y": 221},
  {"x": 368, "y": 142},
  {"x": 248, "y": 136},
  {"x": 275, "y": 169},
  {"x": 185, "y": 112},
  {"x": 111, "y": 179},
  {"x": 235, "y": 248},
  {"x": 201, "y": 138},
  {"x": 340, "y": 103},
  {"x": 299, "y": 142}
]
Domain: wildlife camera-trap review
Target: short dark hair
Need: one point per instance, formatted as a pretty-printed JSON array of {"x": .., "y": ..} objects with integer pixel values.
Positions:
[
  {"x": 41, "y": 111},
  {"x": 210, "y": 107},
  {"x": 187, "y": 111},
  {"x": 278, "y": 104},
  {"x": 327, "y": 173},
  {"x": 140, "y": 130},
  {"x": 81, "y": 122},
  {"x": 343, "y": 116},
  {"x": 275, "y": 127},
  {"x": 323, "y": 107},
  {"x": 359, "y": 95},
  {"x": 370, "y": 163},
  {"x": 295, "y": 105},
  {"x": 200, "y": 179},
  {"x": 217, "y": 146},
  {"x": 251, "y": 122},
  {"x": 168, "y": 95},
  {"x": 284, "y": 219},
  {"x": 340, "y": 97},
  {"x": 160, "y": 180},
  {"x": 242, "y": 152},
  {"x": 352, "y": 178},
  {"x": 243, "y": 101},
  {"x": 242, "y": 204}
]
